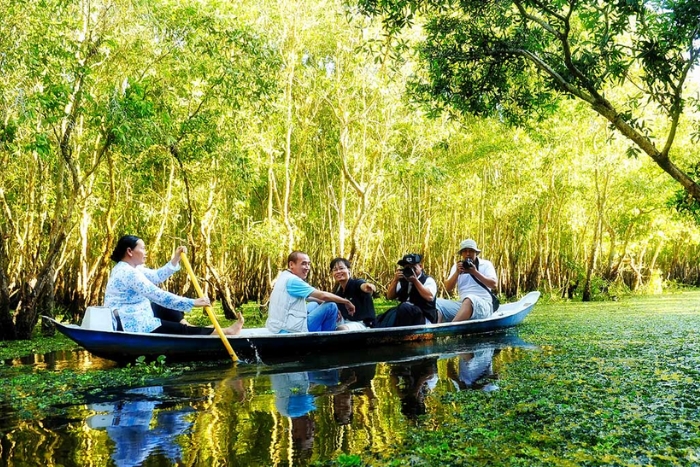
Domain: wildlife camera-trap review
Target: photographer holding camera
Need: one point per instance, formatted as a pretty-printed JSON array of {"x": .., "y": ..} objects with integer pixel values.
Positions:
[
  {"x": 415, "y": 290},
  {"x": 475, "y": 301}
]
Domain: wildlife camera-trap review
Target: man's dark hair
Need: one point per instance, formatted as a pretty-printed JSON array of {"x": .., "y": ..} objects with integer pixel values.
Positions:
[
  {"x": 335, "y": 261},
  {"x": 294, "y": 256},
  {"x": 124, "y": 243}
]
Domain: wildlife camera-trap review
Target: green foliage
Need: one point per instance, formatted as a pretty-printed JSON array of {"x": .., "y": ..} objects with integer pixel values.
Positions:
[
  {"x": 252, "y": 314},
  {"x": 516, "y": 61},
  {"x": 612, "y": 384},
  {"x": 46, "y": 393},
  {"x": 156, "y": 367},
  {"x": 36, "y": 345},
  {"x": 685, "y": 204},
  {"x": 345, "y": 460}
]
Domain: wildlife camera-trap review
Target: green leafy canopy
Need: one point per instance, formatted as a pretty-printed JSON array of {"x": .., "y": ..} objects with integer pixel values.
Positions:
[{"x": 516, "y": 59}]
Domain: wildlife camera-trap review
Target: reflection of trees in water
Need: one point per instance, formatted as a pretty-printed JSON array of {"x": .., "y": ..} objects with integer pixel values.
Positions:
[
  {"x": 352, "y": 410},
  {"x": 236, "y": 420}
]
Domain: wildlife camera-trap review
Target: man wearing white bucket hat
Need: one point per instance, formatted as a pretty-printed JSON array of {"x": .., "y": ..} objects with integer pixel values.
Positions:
[{"x": 475, "y": 302}]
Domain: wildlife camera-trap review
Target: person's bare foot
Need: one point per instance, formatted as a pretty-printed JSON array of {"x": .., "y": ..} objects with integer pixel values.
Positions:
[
  {"x": 236, "y": 327},
  {"x": 185, "y": 322}
]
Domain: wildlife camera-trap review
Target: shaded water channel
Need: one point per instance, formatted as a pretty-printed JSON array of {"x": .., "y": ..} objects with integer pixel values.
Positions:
[{"x": 277, "y": 413}]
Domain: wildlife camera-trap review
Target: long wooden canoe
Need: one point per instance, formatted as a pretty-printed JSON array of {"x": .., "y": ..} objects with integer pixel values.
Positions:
[{"x": 256, "y": 344}]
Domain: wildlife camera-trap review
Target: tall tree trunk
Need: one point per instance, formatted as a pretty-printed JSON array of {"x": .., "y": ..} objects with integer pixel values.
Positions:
[
  {"x": 7, "y": 325},
  {"x": 224, "y": 289},
  {"x": 601, "y": 187},
  {"x": 286, "y": 215},
  {"x": 34, "y": 293},
  {"x": 659, "y": 246},
  {"x": 165, "y": 216},
  {"x": 590, "y": 265},
  {"x": 101, "y": 266}
]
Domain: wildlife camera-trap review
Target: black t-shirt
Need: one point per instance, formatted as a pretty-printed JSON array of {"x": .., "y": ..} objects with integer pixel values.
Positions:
[{"x": 364, "y": 306}]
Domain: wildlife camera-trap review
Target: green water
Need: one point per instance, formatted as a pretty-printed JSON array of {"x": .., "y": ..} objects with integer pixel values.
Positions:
[
  {"x": 612, "y": 383},
  {"x": 616, "y": 383}
]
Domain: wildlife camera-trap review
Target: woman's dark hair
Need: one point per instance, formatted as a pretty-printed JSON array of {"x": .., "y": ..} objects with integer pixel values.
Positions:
[
  {"x": 340, "y": 260},
  {"x": 127, "y": 241}
]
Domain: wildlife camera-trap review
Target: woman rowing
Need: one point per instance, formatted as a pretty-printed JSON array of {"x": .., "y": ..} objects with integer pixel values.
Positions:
[{"x": 142, "y": 306}]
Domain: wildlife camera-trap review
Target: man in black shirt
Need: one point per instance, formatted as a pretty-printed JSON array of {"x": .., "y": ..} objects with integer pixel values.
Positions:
[{"x": 415, "y": 290}]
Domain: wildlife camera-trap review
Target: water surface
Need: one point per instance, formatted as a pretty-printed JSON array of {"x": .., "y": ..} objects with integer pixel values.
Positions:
[{"x": 263, "y": 413}]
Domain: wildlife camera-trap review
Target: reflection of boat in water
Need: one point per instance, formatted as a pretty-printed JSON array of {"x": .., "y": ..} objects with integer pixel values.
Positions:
[
  {"x": 357, "y": 357},
  {"x": 295, "y": 406},
  {"x": 138, "y": 430},
  {"x": 392, "y": 354},
  {"x": 254, "y": 343}
]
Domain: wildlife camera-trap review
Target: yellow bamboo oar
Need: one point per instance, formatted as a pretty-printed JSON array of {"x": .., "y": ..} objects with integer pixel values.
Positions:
[{"x": 210, "y": 312}]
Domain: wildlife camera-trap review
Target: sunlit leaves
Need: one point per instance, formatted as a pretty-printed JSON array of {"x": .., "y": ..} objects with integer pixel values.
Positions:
[
  {"x": 41, "y": 144},
  {"x": 189, "y": 109},
  {"x": 516, "y": 60}
]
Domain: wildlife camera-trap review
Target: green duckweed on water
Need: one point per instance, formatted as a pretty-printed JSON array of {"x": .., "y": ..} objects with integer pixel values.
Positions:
[
  {"x": 610, "y": 384},
  {"x": 613, "y": 384},
  {"x": 35, "y": 395},
  {"x": 38, "y": 345}
]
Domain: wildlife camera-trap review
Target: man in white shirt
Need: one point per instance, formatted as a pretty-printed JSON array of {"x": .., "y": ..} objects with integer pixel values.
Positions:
[
  {"x": 475, "y": 301},
  {"x": 288, "y": 309}
]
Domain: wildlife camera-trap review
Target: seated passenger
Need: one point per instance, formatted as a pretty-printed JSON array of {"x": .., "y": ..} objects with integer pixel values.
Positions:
[
  {"x": 288, "y": 309},
  {"x": 475, "y": 301},
  {"x": 415, "y": 290},
  {"x": 358, "y": 292},
  {"x": 142, "y": 306}
]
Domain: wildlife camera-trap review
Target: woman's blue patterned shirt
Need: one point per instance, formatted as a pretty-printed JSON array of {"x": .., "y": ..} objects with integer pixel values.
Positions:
[{"x": 132, "y": 289}]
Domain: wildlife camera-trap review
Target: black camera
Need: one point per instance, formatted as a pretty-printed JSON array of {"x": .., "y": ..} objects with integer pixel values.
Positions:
[
  {"x": 467, "y": 264},
  {"x": 407, "y": 272}
]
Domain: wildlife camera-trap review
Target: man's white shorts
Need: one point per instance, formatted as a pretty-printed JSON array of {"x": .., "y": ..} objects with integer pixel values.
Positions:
[{"x": 481, "y": 308}]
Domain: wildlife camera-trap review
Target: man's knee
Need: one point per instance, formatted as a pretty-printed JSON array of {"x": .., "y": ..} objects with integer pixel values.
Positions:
[
  {"x": 465, "y": 310},
  {"x": 408, "y": 314},
  {"x": 331, "y": 308},
  {"x": 467, "y": 304}
]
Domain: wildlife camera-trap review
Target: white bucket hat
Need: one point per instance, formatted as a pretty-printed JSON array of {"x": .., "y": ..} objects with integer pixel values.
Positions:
[{"x": 468, "y": 243}]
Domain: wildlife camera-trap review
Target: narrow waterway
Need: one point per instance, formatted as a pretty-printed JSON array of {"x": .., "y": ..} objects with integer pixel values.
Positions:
[{"x": 262, "y": 413}]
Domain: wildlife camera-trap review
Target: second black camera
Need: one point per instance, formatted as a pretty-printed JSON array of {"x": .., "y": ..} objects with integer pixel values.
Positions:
[{"x": 407, "y": 272}]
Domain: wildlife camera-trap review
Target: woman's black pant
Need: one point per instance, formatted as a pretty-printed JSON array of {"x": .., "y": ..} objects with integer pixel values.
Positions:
[
  {"x": 170, "y": 322},
  {"x": 166, "y": 314}
]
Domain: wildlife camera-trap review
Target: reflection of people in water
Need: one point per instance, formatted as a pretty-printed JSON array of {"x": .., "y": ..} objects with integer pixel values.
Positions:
[
  {"x": 354, "y": 379},
  {"x": 413, "y": 381},
  {"x": 303, "y": 429},
  {"x": 129, "y": 425},
  {"x": 293, "y": 399},
  {"x": 473, "y": 370}
]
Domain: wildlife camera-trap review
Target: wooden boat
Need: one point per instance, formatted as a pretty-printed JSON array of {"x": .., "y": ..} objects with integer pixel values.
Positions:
[{"x": 258, "y": 344}]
